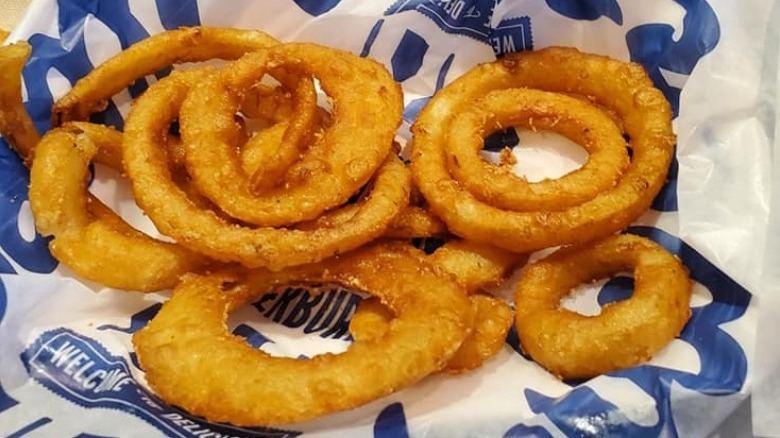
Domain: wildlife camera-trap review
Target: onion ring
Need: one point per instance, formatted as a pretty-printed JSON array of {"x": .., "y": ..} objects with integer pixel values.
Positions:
[
  {"x": 270, "y": 103},
  {"x": 92, "y": 92},
  {"x": 263, "y": 144},
  {"x": 88, "y": 237},
  {"x": 414, "y": 222},
  {"x": 623, "y": 87},
  {"x": 476, "y": 267},
  {"x": 626, "y": 333},
  {"x": 189, "y": 337},
  {"x": 259, "y": 151},
  {"x": 573, "y": 118},
  {"x": 371, "y": 320},
  {"x": 204, "y": 231},
  {"x": 188, "y": 44},
  {"x": 492, "y": 320},
  {"x": 356, "y": 140},
  {"x": 16, "y": 126}
]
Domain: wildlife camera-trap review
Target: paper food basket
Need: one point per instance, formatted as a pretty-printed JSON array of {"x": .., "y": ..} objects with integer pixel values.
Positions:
[{"x": 717, "y": 63}]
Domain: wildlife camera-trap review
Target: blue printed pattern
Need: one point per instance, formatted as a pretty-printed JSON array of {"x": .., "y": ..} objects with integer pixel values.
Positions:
[
  {"x": 30, "y": 427},
  {"x": 391, "y": 422},
  {"x": 137, "y": 321},
  {"x": 316, "y": 7},
  {"x": 588, "y": 9},
  {"x": 326, "y": 314},
  {"x": 472, "y": 18},
  {"x": 31, "y": 255},
  {"x": 723, "y": 370},
  {"x": 653, "y": 46},
  {"x": 408, "y": 57},
  {"x": 464, "y": 17}
]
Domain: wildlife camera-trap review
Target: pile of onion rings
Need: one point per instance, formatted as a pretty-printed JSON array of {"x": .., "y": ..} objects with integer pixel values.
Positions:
[
  {"x": 255, "y": 187},
  {"x": 598, "y": 103}
]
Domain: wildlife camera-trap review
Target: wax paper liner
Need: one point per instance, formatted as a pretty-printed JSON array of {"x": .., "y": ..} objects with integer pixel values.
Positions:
[{"x": 66, "y": 362}]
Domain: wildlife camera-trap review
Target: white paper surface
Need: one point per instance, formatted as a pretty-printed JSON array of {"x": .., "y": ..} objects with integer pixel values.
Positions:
[{"x": 719, "y": 207}]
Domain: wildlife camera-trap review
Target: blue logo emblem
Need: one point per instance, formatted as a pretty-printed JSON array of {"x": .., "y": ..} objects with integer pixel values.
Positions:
[
  {"x": 81, "y": 370},
  {"x": 472, "y": 18}
]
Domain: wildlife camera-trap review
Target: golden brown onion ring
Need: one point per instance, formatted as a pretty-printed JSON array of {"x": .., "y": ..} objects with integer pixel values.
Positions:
[
  {"x": 268, "y": 103},
  {"x": 187, "y": 44},
  {"x": 476, "y": 267},
  {"x": 573, "y": 118},
  {"x": 371, "y": 320},
  {"x": 263, "y": 144},
  {"x": 204, "y": 231},
  {"x": 492, "y": 319},
  {"x": 88, "y": 237},
  {"x": 189, "y": 337},
  {"x": 623, "y": 87},
  {"x": 92, "y": 92},
  {"x": 414, "y": 222},
  {"x": 626, "y": 333},
  {"x": 367, "y": 107},
  {"x": 16, "y": 126},
  {"x": 261, "y": 152},
  {"x": 298, "y": 128}
]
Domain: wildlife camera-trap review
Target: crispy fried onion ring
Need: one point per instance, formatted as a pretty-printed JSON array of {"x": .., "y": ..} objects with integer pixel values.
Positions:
[
  {"x": 626, "y": 333},
  {"x": 189, "y": 337},
  {"x": 92, "y": 92},
  {"x": 622, "y": 87},
  {"x": 259, "y": 151},
  {"x": 205, "y": 231},
  {"x": 88, "y": 237},
  {"x": 412, "y": 222},
  {"x": 416, "y": 222},
  {"x": 16, "y": 126},
  {"x": 476, "y": 267},
  {"x": 367, "y": 108},
  {"x": 573, "y": 118},
  {"x": 188, "y": 44},
  {"x": 492, "y": 319}
]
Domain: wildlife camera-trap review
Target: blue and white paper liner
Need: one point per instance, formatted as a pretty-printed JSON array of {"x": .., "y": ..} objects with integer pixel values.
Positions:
[{"x": 66, "y": 361}]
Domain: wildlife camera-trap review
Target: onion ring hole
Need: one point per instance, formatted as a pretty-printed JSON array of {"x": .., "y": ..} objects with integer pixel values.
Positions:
[
  {"x": 589, "y": 299},
  {"x": 298, "y": 321},
  {"x": 539, "y": 155}
]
